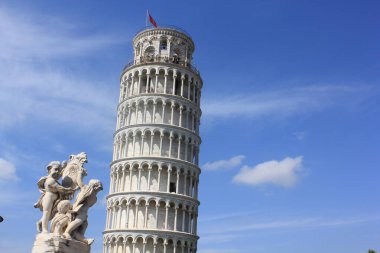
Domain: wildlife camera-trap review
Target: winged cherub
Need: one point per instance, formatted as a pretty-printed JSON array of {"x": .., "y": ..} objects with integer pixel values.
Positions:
[
  {"x": 84, "y": 200},
  {"x": 50, "y": 195}
]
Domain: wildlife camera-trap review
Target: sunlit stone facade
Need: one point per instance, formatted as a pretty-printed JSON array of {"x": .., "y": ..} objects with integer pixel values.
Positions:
[{"x": 152, "y": 206}]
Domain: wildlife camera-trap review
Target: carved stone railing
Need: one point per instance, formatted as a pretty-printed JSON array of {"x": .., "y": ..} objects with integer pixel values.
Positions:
[
  {"x": 161, "y": 59},
  {"x": 170, "y": 27}
]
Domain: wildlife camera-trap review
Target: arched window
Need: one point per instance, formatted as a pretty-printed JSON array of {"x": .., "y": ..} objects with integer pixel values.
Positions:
[
  {"x": 149, "y": 52},
  {"x": 163, "y": 44}
]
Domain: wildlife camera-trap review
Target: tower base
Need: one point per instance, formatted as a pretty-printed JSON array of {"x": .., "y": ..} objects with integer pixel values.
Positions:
[{"x": 50, "y": 243}]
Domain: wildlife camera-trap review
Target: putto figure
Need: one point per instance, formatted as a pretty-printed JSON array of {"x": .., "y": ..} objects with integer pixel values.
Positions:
[
  {"x": 84, "y": 200},
  {"x": 68, "y": 221},
  {"x": 51, "y": 191},
  {"x": 62, "y": 218}
]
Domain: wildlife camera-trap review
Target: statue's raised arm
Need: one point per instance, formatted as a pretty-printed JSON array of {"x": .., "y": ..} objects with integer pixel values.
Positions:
[{"x": 73, "y": 172}]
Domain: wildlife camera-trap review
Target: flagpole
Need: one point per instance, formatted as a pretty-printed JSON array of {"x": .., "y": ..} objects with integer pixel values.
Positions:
[{"x": 146, "y": 18}]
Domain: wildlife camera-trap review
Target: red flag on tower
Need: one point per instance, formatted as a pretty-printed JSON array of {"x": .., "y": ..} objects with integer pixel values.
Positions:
[{"x": 151, "y": 20}]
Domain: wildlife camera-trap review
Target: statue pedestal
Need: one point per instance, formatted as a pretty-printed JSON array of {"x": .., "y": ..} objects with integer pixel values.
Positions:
[{"x": 50, "y": 243}]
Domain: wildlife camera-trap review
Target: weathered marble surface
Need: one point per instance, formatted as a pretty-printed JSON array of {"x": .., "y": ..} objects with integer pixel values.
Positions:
[
  {"x": 50, "y": 243},
  {"x": 68, "y": 220}
]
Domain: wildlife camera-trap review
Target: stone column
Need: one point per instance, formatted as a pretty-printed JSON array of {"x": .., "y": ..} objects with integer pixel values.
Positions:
[
  {"x": 179, "y": 147},
  {"x": 169, "y": 174},
  {"x": 130, "y": 177},
  {"x": 111, "y": 182},
  {"x": 156, "y": 84},
  {"x": 183, "y": 218},
  {"x": 123, "y": 180},
  {"x": 133, "y": 247},
  {"x": 185, "y": 183},
  {"x": 139, "y": 85},
  {"x": 192, "y": 121},
  {"x": 172, "y": 113},
  {"x": 136, "y": 215},
  {"x": 119, "y": 216},
  {"x": 175, "y": 218},
  {"x": 180, "y": 116},
  {"x": 108, "y": 218},
  {"x": 117, "y": 181},
  {"x": 157, "y": 207},
  {"x": 174, "y": 82},
  {"x": 182, "y": 83},
  {"x": 129, "y": 115},
  {"x": 188, "y": 89},
  {"x": 191, "y": 185},
  {"x": 177, "y": 183},
  {"x": 124, "y": 246},
  {"x": 142, "y": 144},
  {"x": 161, "y": 137},
  {"x": 189, "y": 225},
  {"x": 159, "y": 176},
  {"x": 166, "y": 215},
  {"x": 196, "y": 189},
  {"x": 133, "y": 144},
  {"x": 186, "y": 148},
  {"x": 127, "y": 216},
  {"x": 149, "y": 175},
  {"x": 154, "y": 112},
  {"x": 193, "y": 93},
  {"x": 147, "y": 83},
  {"x": 151, "y": 143},
  {"x": 144, "y": 114},
  {"x": 132, "y": 85},
  {"x": 170, "y": 144},
  {"x": 166, "y": 81},
  {"x": 139, "y": 178},
  {"x": 146, "y": 215}
]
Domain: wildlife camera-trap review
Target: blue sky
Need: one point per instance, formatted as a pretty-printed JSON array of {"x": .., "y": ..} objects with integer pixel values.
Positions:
[{"x": 291, "y": 105}]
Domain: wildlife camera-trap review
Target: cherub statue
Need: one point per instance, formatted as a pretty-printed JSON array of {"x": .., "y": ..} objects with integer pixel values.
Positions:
[
  {"x": 73, "y": 172},
  {"x": 51, "y": 192},
  {"x": 62, "y": 218},
  {"x": 84, "y": 200}
]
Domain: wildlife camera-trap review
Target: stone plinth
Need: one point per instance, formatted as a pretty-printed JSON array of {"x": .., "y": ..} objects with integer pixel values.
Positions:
[{"x": 50, "y": 243}]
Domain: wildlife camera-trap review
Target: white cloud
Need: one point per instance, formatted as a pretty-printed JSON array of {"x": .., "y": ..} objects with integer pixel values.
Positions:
[
  {"x": 7, "y": 170},
  {"x": 299, "y": 135},
  {"x": 224, "y": 164},
  {"x": 33, "y": 86},
  {"x": 283, "y": 173},
  {"x": 219, "y": 250},
  {"x": 302, "y": 223},
  {"x": 26, "y": 37},
  {"x": 283, "y": 103}
]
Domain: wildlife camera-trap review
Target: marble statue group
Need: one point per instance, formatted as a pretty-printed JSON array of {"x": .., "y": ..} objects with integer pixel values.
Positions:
[{"x": 65, "y": 204}]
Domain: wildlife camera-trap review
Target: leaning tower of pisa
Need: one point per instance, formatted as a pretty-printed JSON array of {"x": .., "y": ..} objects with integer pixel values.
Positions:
[{"x": 152, "y": 204}]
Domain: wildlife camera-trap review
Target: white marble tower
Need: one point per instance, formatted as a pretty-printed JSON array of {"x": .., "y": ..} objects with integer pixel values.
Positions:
[{"x": 152, "y": 206}]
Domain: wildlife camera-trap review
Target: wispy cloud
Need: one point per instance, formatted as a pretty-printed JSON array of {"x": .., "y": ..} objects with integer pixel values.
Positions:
[
  {"x": 27, "y": 37},
  {"x": 224, "y": 164},
  {"x": 7, "y": 171},
  {"x": 283, "y": 173},
  {"x": 282, "y": 103},
  {"x": 218, "y": 251},
  {"x": 228, "y": 216},
  {"x": 299, "y": 135},
  {"x": 301, "y": 223},
  {"x": 34, "y": 87}
]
